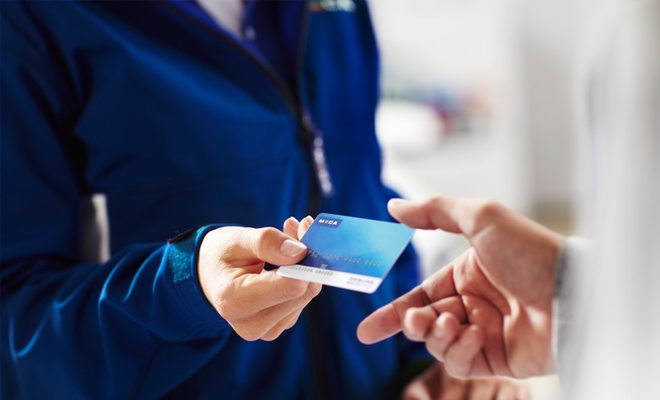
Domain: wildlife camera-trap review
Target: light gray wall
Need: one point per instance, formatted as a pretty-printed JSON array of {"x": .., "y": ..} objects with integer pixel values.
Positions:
[{"x": 547, "y": 42}]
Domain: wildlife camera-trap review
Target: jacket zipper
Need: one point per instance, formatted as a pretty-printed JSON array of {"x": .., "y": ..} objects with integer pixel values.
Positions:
[
  {"x": 321, "y": 186},
  {"x": 312, "y": 136}
]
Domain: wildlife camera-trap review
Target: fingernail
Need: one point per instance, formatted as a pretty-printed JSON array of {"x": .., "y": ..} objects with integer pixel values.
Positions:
[
  {"x": 395, "y": 202},
  {"x": 306, "y": 222},
  {"x": 292, "y": 248},
  {"x": 292, "y": 220}
]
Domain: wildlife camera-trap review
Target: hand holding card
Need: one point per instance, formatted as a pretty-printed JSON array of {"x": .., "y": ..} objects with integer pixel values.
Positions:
[{"x": 348, "y": 252}]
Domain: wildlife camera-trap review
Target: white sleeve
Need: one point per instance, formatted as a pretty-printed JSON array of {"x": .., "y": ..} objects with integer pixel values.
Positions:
[
  {"x": 572, "y": 262},
  {"x": 608, "y": 312}
]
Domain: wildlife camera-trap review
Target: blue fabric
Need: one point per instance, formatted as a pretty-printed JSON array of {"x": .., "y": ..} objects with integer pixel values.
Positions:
[
  {"x": 153, "y": 105},
  {"x": 270, "y": 40}
]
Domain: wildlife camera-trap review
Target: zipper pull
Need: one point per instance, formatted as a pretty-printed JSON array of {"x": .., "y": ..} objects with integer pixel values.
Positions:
[{"x": 318, "y": 155}]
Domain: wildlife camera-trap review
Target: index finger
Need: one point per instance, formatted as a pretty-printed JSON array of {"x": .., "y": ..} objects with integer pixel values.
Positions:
[
  {"x": 388, "y": 320},
  {"x": 256, "y": 292},
  {"x": 449, "y": 213}
]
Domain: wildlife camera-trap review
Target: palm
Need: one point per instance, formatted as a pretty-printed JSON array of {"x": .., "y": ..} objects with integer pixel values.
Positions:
[{"x": 509, "y": 324}]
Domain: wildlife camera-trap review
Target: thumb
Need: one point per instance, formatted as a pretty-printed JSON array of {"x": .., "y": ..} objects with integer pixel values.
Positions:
[{"x": 269, "y": 245}]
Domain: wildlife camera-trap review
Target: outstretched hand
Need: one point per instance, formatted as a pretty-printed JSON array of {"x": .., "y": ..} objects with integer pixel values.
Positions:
[
  {"x": 257, "y": 303},
  {"x": 488, "y": 312}
]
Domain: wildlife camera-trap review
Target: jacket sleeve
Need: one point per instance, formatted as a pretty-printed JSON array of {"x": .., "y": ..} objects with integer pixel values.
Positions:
[{"x": 73, "y": 329}]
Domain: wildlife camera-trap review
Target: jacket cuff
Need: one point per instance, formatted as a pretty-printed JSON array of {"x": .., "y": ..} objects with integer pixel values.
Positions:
[{"x": 182, "y": 256}]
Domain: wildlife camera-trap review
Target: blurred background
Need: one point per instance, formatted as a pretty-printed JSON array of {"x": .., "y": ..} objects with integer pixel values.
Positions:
[{"x": 478, "y": 101}]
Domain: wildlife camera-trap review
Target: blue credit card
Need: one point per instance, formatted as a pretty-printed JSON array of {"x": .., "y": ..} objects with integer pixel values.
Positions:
[{"x": 348, "y": 252}]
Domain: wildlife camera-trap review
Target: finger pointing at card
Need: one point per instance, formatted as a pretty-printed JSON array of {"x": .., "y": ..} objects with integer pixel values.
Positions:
[{"x": 257, "y": 303}]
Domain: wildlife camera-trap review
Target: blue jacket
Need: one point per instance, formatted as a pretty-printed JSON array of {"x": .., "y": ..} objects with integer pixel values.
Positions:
[{"x": 180, "y": 126}]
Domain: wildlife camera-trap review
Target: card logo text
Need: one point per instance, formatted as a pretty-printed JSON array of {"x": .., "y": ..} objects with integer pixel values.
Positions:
[{"x": 329, "y": 222}]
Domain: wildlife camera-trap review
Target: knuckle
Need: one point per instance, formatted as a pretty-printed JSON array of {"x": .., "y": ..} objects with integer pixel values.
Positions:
[
  {"x": 271, "y": 335},
  {"x": 250, "y": 333},
  {"x": 291, "y": 323},
  {"x": 264, "y": 236},
  {"x": 295, "y": 289},
  {"x": 487, "y": 210},
  {"x": 434, "y": 349},
  {"x": 414, "y": 337},
  {"x": 248, "y": 337},
  {"x": 313, "y": 289},
  {"x": 432, "y": 201},
  {"x": 456, "y": 370},
  {"x": 226, "y": 311}
]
